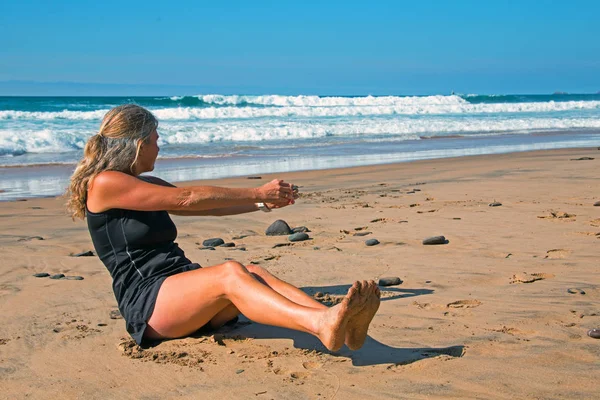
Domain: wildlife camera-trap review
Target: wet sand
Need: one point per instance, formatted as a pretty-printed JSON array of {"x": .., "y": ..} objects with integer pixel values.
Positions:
[{"x": 501, "y": 310}]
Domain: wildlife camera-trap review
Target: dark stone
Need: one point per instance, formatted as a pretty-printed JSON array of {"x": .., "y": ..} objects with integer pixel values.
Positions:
[
  {"x": 279, "y": 227},
  {"x": 495, "y": 204},
  {"x": 435, "y": 240},
  {"x": 576, "y": 291},
  {"x": 594, "y": 333},
  {"x": 372, "y": 242},
  {"x": 597, "y": 204},
  {"x": 41, "y": 274},
  {"x": 300, "y": 229},
  {"x": 36, "y": 208},
  {"x": 390, "y": 281},
  {"x": 316, "y": 248},
  {"x": 57, "y": 276},
  {"x": 115, "y": 314},
  {"x": 74, "y": 278},
  {"x": 239, "y": 371},
  {"x": 101, "y": 324},
  {"x": 281, "y": 245},
  {"x": 228, "y": 244},
  {"x": 30, "y": 238},
  {"x": 298, "y": 237},
  {"x": 88, "y": 253},
  {"x": 213, "y": 242},
  {"x": 206, "y": 248},
  {"x": 254, "y": 177},
  {"x": 239, "y": 248},
  {"x": 362, "y": 233},
  {"x": 582, "y": 159}
]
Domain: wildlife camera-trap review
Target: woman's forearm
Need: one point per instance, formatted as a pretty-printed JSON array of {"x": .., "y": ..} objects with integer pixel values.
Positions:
[
  {"x": 207, "y": 198},
  {"x": 222, "y": 211}
]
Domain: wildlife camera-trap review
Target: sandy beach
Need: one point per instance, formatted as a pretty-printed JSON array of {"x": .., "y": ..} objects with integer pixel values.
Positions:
[{"x": 500, "y": 311}]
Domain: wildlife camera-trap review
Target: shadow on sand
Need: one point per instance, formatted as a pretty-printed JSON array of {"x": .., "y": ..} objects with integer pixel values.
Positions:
[
  {"x": 388, "y": 293},
  {"x": 372, "y": 353}
]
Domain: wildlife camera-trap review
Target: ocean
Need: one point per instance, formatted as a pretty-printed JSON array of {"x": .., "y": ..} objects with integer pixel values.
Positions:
[{"x": 214, "y": 136}]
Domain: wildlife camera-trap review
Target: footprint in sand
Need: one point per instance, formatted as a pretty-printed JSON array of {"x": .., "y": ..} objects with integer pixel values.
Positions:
[
  {"x": 311, "y": 365},
  {"x": 557, "y": 253},
  {"x": 558, "y": 215},
  {"x": 528, "y": 278},
  {"x": 464, "y": 304},
  {"x": 184, "y": 358}
]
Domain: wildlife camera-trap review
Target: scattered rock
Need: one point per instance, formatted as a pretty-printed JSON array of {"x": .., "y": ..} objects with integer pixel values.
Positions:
[
  {"x": 435, "y": 240},
  {"x": 582, "y": 159},
  {"x": 298, "y": 237},
  {"x": 254, "y": 177},
  {"x": 281, "y": 245},
  {"x": 88, "y": 253},
  {"x": 316, "y": 248},
  {"x": 41, "y": 274},
  {"x": 206, "y": 248},
  {"x": 594, "y": 333},
  {"x": 495, "y": 204},
  {"x": 362, "y": 233},
  {"x": 28, "y": 238},
  {"x": 238, "y": 248},
  {"x": 360, "y": 228},
  {"x": 239, "y": 371},
  {"x": 213, "y": 242},
  {"x": 115, "y": 314},
  {"x": 390, "y": 281},
  {"x": 299, "y": 229},
  {"x": 576, "y": 291},
  {"x": 372, "y": 242},
  {"x": 228, "y": 244},
  {"x": 279, "y": 227},
  {"x": 74, "y": 278},
  {"x": 597, "y": 204},
  {"x": 36, "y": 208},
  {"x": 57, "y": 276}
]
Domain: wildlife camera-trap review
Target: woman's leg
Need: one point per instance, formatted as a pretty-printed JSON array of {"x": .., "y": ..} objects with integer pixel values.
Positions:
[
  {"x": 356, "y": 330},
  {"x": 189, "y": 300}
]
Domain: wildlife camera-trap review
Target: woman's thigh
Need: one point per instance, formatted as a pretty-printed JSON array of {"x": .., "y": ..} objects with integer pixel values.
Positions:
[{"x": 187, "y": 301}]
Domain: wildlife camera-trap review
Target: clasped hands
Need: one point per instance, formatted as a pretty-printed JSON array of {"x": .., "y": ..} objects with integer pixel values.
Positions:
[{"x": 278, "y": 194}]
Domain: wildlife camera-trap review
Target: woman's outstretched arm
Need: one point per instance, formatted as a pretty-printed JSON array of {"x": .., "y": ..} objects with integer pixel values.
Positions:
[{"x": 111, "y": 189}]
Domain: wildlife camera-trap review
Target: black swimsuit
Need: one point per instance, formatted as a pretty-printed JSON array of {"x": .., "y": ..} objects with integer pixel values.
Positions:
[{"x": 138, "y": 248}]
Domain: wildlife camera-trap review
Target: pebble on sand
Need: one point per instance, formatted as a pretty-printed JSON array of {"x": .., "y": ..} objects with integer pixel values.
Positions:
[
  {"x": 206, "y": 248},
  {"x": 228, "y": 244},
  {"x": 213, "y": 242},
  {"x": 88, "y": 253},
  {"x": 41, "y": 274},
  {"x": 362, "y": 233},
  {"x": 435, "y": 240},
  {"x": 298, "y": 237},
  {"x": 57, "y": 276},
  {"x": 597, "y": 204},
  {"x": 594, "y": 333},
  {"x": 74, "y": 278},
  {"x": 495, "y": 204},
  {"x": 372, "y": 242},
  {"x": 390, "y": 281},
  {"x": 279, "y": 227}
]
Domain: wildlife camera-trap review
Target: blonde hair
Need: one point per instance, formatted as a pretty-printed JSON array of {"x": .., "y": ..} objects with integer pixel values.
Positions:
[{"x": 115, "y": 147}]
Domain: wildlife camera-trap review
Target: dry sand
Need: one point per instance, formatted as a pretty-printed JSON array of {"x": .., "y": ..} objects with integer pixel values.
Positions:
[{"x": 500, "y": 311}]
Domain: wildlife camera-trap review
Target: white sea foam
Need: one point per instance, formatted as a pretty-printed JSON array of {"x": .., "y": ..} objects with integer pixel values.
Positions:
[
  {"x": 318, "y": 107},
  {"x": 58, "y": 138}
]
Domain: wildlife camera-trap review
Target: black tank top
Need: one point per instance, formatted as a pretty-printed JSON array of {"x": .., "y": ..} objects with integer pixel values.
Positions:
[{"x": 137, "y": 248}]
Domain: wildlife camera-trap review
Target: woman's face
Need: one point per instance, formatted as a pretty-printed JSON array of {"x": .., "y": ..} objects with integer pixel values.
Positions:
[{"x": 148, "y": 154}]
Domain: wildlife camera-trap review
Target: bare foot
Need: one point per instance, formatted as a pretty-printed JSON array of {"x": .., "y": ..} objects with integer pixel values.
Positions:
[
  {"x": 332, "y": 326},
  {"x": 358, "y": 325}
]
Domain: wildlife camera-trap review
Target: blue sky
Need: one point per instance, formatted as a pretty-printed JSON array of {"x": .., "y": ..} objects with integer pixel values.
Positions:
[{"x": 300, "y": 47}]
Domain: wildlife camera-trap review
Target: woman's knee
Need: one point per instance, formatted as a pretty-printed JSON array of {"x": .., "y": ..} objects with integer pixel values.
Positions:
[{"x": 233, "y": 271}]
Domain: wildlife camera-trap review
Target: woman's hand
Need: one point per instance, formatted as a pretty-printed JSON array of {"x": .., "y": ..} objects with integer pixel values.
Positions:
[
  {"x": 285, "y": 202},
  {"x": 276, "y": 192}
]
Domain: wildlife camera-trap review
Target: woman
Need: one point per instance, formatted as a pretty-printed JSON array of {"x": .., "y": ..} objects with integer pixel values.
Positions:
[{"x": 161, "y": 294}]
